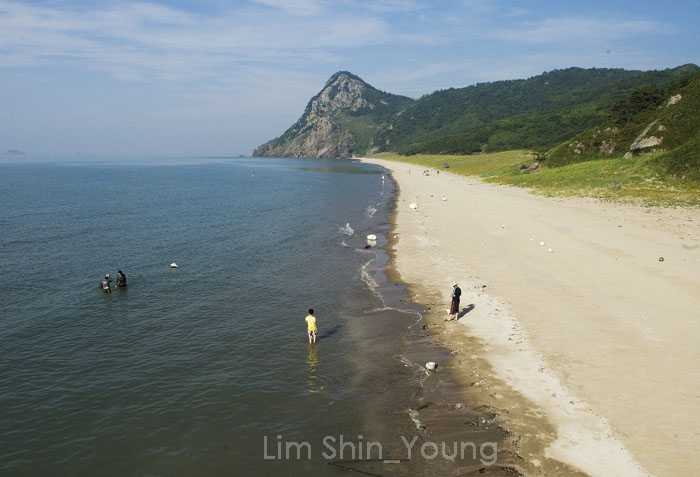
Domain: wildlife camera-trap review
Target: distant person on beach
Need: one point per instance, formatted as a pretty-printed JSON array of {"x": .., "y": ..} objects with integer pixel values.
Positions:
[
  {"x": 454, "y": 308},
  {"x": 311, "y": 325},
  {"x": 121, "y": 279},
  {"x": 105, "y": 284}
]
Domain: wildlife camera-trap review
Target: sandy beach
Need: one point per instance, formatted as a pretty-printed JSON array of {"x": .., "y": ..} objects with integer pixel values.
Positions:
[{"x": 580, "y": 318}]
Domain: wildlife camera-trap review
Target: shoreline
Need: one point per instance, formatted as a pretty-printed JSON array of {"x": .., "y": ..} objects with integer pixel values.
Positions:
[{"x": 573, "y": 347}]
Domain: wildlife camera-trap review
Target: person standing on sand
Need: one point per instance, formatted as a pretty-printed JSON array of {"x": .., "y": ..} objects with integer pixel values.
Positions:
[
  {"x": 454, "y": 308},
  {"x": 311, "y": 325}
]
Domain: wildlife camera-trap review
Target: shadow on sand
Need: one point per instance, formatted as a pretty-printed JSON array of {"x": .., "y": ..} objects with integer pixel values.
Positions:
[{"x": 466, "y": 310}]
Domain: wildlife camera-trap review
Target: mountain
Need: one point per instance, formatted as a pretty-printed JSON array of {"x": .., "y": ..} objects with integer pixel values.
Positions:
[
  {"x": 339, "y": 120},
  {"x": 651, "y": 120},
  {"x": 536, "y": 113},
  {"x": 349, "y": 117}
]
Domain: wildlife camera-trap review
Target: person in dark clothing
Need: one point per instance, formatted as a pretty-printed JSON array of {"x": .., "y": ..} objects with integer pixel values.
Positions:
[
  {"x": 454, "y": 308},
  {"x": 121, "y": 279},
  {"x": 105, "y": 284}
]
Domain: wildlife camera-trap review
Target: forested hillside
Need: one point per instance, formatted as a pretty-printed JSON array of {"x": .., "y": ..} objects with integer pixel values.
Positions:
[
  {"x": 351, "y": 118},
  {"x": 650, "y": 120},
  {"x": 536, "y": 113}
]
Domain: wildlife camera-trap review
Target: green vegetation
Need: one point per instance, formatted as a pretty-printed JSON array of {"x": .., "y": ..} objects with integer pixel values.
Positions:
[
  {"x": 683, "y": 162},
  {"x": 669, "y": 116},
  {"x": 535, "y": 113},
  {"x": 475, "y": 164},
  {"x": 606, "y": 133},
  {"x": 636, "y": 179}
]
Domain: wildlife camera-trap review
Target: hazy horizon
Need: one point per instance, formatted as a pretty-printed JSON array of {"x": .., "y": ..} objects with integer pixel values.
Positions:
[{"x": 180, "y": 78}]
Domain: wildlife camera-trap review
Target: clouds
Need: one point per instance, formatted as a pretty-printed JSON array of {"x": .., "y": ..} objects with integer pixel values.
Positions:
[
  {"x": 141, "y": 40},
  {"x": 250, "y": 66},
  {"x": 577, "y": 30}
]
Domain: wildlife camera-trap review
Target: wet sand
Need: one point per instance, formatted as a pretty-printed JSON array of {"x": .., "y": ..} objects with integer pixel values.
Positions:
[{"x": 587, "y": 355}]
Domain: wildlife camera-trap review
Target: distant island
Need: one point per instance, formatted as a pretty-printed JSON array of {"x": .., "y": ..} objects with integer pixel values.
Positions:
[{"x": 11, "y": 152}]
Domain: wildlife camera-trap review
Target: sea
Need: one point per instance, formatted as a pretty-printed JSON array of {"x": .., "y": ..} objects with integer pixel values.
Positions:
[{"x": 203, "y": 369}]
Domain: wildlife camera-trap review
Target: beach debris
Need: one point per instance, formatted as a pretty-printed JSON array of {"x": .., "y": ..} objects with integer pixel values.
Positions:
[
  {"x": 372, "y": 239},
  {"x": 174, "y": 265},
  {"x": 444, "y": 198},
  {"x": 542, "y": 243},
  {"x": 413, "y": 205},
  {"x": 431, "y": 365},
  {"x": 414, "y": 417},
  {"x": 661, "y": 259},
  {"x": 431, "y": 196},
  {"x": 550, "y": 250},
  {"x": 503, "y": 226},
  {"x": 459, "y": 405}
]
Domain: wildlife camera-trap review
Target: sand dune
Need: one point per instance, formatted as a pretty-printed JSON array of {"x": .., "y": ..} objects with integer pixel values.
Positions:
[{"x": 598, "y": 334}]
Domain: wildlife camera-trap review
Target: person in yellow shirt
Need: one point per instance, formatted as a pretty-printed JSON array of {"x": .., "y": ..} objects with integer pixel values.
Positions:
[{"x": 311, "y": 325}]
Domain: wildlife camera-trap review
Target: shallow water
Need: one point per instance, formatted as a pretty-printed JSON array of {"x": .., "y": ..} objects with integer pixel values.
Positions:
[{"x": 191, "y": 371}]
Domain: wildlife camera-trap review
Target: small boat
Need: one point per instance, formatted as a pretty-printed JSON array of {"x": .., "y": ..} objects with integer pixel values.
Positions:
[{"x": 174, "y": 265}]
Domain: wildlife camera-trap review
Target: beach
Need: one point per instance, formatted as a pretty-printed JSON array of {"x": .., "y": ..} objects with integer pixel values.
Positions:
[{"x": 579, "y": 317}]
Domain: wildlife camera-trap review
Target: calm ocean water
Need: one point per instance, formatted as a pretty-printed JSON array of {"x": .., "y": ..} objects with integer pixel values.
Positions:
[{"x": 190, "y": 371}]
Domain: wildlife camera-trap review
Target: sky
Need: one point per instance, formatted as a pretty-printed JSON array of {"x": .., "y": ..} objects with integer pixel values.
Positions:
[{"x": 222, "y": 77}]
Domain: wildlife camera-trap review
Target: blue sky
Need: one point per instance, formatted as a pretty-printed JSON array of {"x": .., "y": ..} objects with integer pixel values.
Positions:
[{"x": 221, "y": 77}]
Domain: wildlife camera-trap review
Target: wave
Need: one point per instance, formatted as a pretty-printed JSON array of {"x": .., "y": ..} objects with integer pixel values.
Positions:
[
  {"x": 371, "y": 283},
  {"x": 370, "y": 211},
  {"x": 347, "y": 230}
]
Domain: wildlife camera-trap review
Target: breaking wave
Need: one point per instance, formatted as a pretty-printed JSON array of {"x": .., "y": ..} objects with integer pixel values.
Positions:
[{"x": 347, "y": 230}]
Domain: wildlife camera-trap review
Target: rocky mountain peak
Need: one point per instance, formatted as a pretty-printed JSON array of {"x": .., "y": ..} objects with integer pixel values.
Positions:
[{"x": 342, "y": 92}]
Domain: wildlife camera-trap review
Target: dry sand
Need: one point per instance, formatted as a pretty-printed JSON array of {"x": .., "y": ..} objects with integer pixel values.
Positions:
[{"x": 592, "y": 348}]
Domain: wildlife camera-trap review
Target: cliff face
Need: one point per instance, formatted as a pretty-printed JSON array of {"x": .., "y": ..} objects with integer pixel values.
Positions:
[{"x": 337, "y": 122}]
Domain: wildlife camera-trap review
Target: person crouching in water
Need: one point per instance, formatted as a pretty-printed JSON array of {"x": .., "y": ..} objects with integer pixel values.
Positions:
[
  {"x": 105, "y": 284},
  {"x": 121, "y": 279},
  {"x": 311, "y": 325}
]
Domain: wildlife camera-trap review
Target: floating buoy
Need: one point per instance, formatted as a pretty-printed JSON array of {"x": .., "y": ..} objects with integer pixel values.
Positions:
[
  {"x": 372, "y": 237},
  {"x": 174, "y": 265}
]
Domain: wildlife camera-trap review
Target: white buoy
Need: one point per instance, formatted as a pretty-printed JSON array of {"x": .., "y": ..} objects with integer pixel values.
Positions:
[
  {"x": 174, "y": 265},
  {"x": 372, "y": 238}
]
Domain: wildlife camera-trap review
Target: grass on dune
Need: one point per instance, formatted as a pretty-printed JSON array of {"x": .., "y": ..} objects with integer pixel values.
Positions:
[
  {"x": 475, "y": 164},
  {"x": 637, "y": 179}
]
